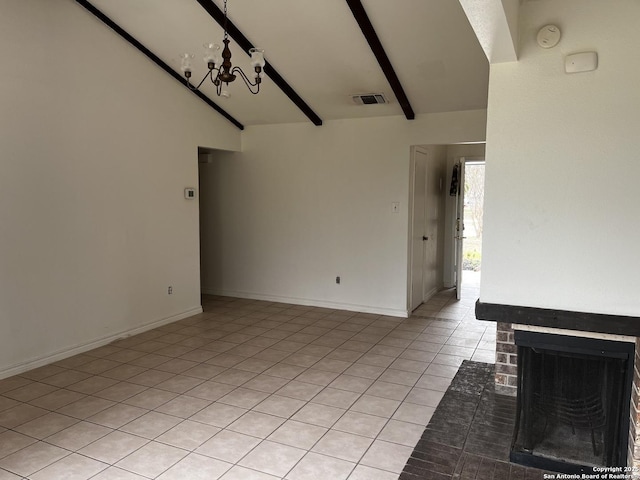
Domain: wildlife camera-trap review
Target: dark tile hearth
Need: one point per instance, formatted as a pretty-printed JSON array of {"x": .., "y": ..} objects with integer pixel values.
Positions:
[{"x": 469, "y": 435}]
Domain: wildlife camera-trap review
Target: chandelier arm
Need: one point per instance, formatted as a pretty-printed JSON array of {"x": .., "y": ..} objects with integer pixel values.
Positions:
[
  {"x": 203, "y": 79},
  {"x": 213, "y": 77},
  {"x": 250, "y": 85}
]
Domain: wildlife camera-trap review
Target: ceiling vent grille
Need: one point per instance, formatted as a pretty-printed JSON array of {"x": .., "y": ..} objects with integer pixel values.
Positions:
[{"x": 369, "y": 98}]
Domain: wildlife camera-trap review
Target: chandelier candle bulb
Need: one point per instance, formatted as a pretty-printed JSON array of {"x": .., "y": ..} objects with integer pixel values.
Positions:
[
  {"x": 212, "y": 55},
  {"x": 257, "y": 57},
  {"x": 186, "y": 64}
]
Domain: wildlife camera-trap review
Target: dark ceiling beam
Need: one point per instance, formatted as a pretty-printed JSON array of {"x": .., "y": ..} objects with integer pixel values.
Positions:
[
  {"x": 155, "y": 59},
  {"x": 244, "y": 43},
  {"x": 376, "y": 47}
]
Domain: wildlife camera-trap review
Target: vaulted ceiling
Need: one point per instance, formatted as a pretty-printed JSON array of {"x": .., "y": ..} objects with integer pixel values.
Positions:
[{"x": 319, "y": 49}]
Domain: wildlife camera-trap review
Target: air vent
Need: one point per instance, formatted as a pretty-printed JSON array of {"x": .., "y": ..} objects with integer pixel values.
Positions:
[{"x": 369, "y": 98}]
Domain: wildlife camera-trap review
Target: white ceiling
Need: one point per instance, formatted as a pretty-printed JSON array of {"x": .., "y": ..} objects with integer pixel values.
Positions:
[{"x": 319, "y": 49}]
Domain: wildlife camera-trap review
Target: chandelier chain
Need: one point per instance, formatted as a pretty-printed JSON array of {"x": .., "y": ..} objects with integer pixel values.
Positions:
[{"x": 225, "y": 19}]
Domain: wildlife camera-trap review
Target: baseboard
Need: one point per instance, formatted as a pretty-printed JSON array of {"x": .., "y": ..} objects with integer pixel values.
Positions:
[
  {"x": 85, "y": 347},
  {"x": 431, "y": 293},
  {"x": 391, "y": 312}
]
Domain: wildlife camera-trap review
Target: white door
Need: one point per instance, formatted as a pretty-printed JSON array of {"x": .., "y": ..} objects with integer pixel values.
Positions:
[
  {"x": 459, "y": 236},
  {"x": 419, "y": 184},
  {"x": 433, "y": 200}
]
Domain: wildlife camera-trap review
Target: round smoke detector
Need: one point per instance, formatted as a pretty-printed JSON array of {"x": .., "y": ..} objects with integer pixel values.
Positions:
[{"x": 548, "y": 36}]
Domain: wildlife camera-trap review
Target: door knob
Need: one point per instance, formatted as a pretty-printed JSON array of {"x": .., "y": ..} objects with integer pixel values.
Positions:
[{"x": 424, "y": 239}]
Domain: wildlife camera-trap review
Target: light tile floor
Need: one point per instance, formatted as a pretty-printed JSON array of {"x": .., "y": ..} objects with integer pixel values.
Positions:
[{"x": 248, "y": 390}]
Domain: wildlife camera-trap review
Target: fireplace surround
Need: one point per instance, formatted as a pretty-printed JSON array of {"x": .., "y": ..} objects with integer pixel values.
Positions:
[
  {"x": 577, "y": 339},
  {"x": 572, "y": 414}
]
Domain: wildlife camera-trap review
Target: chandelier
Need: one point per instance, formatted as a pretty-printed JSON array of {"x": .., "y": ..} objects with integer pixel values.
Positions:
[{"x": 220, "y": 69}]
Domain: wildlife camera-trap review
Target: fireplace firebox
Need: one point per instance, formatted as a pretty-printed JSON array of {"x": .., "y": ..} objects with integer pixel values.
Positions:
[{"x": 573, "y": 402}]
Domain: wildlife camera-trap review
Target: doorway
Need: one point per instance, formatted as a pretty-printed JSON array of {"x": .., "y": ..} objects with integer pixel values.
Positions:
[
  {"x": 469, "y": 222},
  {"x": 209, "y": 201}
]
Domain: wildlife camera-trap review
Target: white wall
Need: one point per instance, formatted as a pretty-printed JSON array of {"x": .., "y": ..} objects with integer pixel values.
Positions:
[
  {"x": 302, "y": 204},
  {"x": 562, "y": 196},
  {"x": 96, "y": 147}
]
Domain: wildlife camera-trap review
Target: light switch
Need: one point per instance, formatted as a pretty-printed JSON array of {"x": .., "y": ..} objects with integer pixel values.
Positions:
[{"x": 395, "y": 207}]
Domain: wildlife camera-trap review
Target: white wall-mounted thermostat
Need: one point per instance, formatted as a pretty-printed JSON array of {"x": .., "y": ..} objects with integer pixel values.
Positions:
[
  {"x": 581, "y": 62},
  {"x": 548, "y": 36},
  {"x": 190, "y": 193}
]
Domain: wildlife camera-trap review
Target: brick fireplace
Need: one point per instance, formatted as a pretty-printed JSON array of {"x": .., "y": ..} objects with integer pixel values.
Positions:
[
  {"x": 506, "y": 360},
  {"x": 510, "y": 319}
]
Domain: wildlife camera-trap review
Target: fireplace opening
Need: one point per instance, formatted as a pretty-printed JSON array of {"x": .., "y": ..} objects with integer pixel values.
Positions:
[{"x": 573, "y": 402}]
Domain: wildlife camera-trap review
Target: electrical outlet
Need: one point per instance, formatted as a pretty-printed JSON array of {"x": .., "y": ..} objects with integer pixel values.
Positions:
[
  {"x": 338, "y": 280},
  {"x": 170, "y": 290}
]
